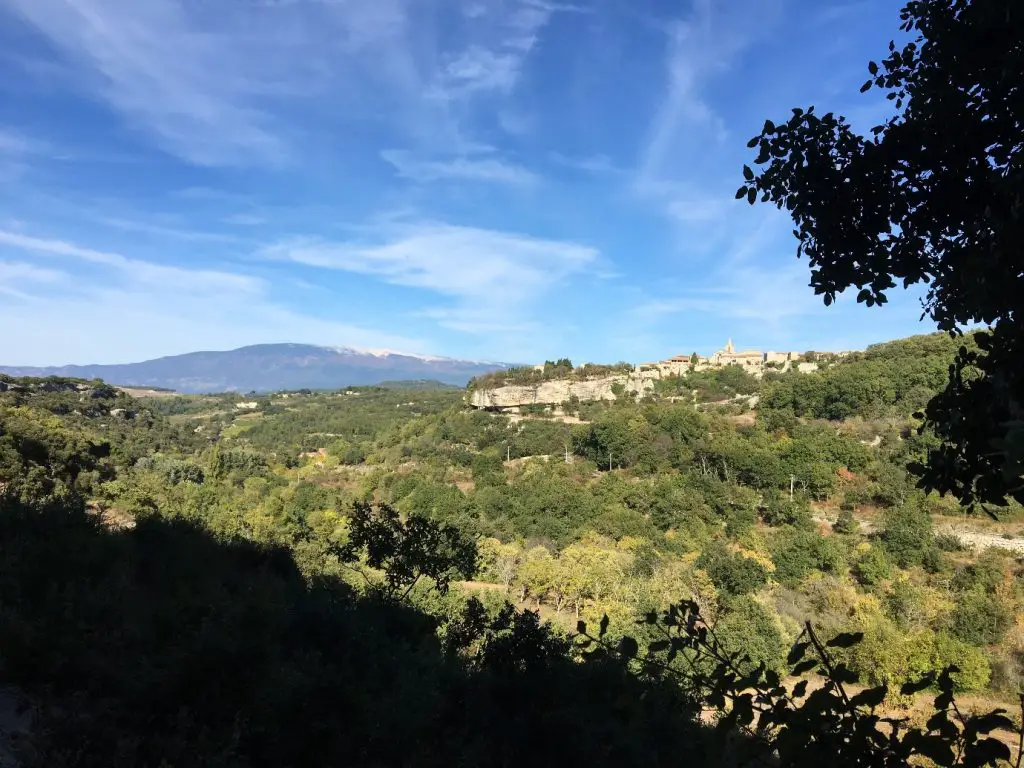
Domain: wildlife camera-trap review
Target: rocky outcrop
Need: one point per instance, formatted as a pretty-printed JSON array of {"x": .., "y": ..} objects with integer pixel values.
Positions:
[{"x": 560, "y": 390}]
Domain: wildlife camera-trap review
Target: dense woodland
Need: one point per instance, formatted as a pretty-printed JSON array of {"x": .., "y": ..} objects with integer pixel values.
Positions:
[{"x": 153, "y": 518}]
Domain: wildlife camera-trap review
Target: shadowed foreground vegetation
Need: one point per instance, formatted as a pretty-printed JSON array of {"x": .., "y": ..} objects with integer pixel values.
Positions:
[{"x": 165, "y": 645}]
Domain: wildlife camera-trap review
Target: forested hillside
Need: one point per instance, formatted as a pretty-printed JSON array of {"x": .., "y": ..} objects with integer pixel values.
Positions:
[
  {"x": 799, "y": 570},
  {"x": 270, "y": 585}
]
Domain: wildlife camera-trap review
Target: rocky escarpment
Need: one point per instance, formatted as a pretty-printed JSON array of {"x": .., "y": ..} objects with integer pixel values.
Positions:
[{"x": 559, "y": 391}]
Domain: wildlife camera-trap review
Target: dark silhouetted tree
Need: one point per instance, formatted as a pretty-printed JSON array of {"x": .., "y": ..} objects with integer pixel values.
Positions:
[
  {"x": 408, "y": 550},
  {"x": 936, "y": 196}
]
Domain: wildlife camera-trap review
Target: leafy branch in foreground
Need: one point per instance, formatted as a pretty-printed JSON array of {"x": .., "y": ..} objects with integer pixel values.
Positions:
[
  {"x": 407, "y": 550},
  {"x": 801, "y": 724}
]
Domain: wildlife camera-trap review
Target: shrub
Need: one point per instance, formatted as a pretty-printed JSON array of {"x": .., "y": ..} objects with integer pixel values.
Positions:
[
  {"x": 986, "y": 573},
  {"x": 800, "y": 552},
  {"x": 872, "y": 567},
  {"x": 907, "y": 535},
  {"x": 747, "y": 627},
  {"x": 730, "y": 572},
  {"x": 948, "y": 542},
  {"x": 980, "y": 619},
  {"x": 845, "y": 523}
]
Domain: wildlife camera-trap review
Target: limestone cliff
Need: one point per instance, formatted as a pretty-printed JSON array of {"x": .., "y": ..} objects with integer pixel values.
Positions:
[{"x": 558, "y": 391}]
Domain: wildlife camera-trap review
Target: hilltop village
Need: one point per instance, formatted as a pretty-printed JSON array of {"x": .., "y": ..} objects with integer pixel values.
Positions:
[
  {"x": 554, "y": 383},
  {"x": 753, "y": 361}
]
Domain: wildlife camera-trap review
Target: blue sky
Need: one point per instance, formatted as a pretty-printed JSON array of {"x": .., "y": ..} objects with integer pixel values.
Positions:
[{"x": 488, "y": 179}]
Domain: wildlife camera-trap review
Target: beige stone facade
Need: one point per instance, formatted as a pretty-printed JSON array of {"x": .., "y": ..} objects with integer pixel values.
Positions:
[
  {"x": 753, "y": 361},
  {"x": 637, "y": 383},
  {"x": 560, "y": 390}
]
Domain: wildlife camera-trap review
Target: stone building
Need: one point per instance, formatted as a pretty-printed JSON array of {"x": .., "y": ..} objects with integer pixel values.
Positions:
[
  {"x": 752, "y": 361},
  {"x": 729, "y": 356}
]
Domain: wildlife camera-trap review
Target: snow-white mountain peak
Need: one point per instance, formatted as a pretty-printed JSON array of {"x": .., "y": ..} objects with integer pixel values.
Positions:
[{"x": 395, "y": 353}]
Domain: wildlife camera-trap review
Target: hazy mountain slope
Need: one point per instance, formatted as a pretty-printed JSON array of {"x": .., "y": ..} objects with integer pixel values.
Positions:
[{"x": 266, "y": 367}]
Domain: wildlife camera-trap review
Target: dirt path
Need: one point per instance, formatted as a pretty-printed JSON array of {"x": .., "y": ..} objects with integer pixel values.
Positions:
[
  {"x": 515, "y": 418},
  {"x": 968, "y": 536},
  {"x": 978, "y": 540}
]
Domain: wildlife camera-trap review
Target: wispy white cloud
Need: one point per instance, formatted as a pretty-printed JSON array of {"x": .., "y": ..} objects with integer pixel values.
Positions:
[
  {"x": 188, "y": 235},
  {"x": 216, "y": 83},
  {"x": 477, "y": 69},
  {"x": 551, "y": 7},
  {"x": 18, "y": 277},
  {"x": 16, "y": 143},
  {"x": 758, "y": 289},
  {"x": 494, "y": 277},
  {"x": 686, "y": 167},
  {"x": 154, "y": 64},
  {"x": 754, "y": 278},
  {"x": 701, "y": 46},
  {"x": 11, "y": 271},
  {"x": 596, "y": 164},
  {"x": 686, "y": 202},
  {"x": 155, "y": 309},
  {"x": 465, "y": 168},
  {"x": 225, "y": 83},
  {"x": 765, "y": 296},
  {"x": 482, "y": 322},
  {"x": 244, "y": 220},
  {"x": 517, "y": 122},
  {"x": 19, "y": 144},
  {"x": 495, "y": 64},
  {"x": 208, "y": 193},
  {"x": 838, "y": 12},
  {"x": 137, "y": 271}
]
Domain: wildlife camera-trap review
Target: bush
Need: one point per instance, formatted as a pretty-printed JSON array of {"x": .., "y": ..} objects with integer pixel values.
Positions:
[
  {"x": 872, "y": 567},
  {"x": 980, "y": 619},
  {"x": 800, "y": 552},
  {"x": 907, "y": 534},
  {"x": 739, "y": 520},
  {"x": 972, "y": 666},
  {"x": 749, "y": 629},
  {"x": 948, "y": 542},
  {"x": 892, "y": 656},
  {"x": 845, "y": 523},
  {"x": 934, "y": 561},
  {"x": 856, "y": 497},
  {"x": 488, "y": 469},
  {"x": 779, "y": 510},
  {"x": 986, "y": 573},
  {"x": 730, "y": 572}
]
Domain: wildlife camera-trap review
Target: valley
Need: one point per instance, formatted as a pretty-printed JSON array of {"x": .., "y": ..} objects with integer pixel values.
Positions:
[
  {"x": 768, "y": 500},
  {"x": 239, "y": 528}
]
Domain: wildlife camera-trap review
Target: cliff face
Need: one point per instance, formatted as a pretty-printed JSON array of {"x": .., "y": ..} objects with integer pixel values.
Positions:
[{"x": 558, "y": 391}]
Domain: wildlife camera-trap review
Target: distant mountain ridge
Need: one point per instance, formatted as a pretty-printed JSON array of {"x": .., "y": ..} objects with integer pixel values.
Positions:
[{"x": 270, "y": 367}]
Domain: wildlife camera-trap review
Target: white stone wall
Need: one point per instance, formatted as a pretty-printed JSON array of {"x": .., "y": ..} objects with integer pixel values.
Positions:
[
  {"x": 638, "y": 383},
  {"x": 558, "y": 391}
]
